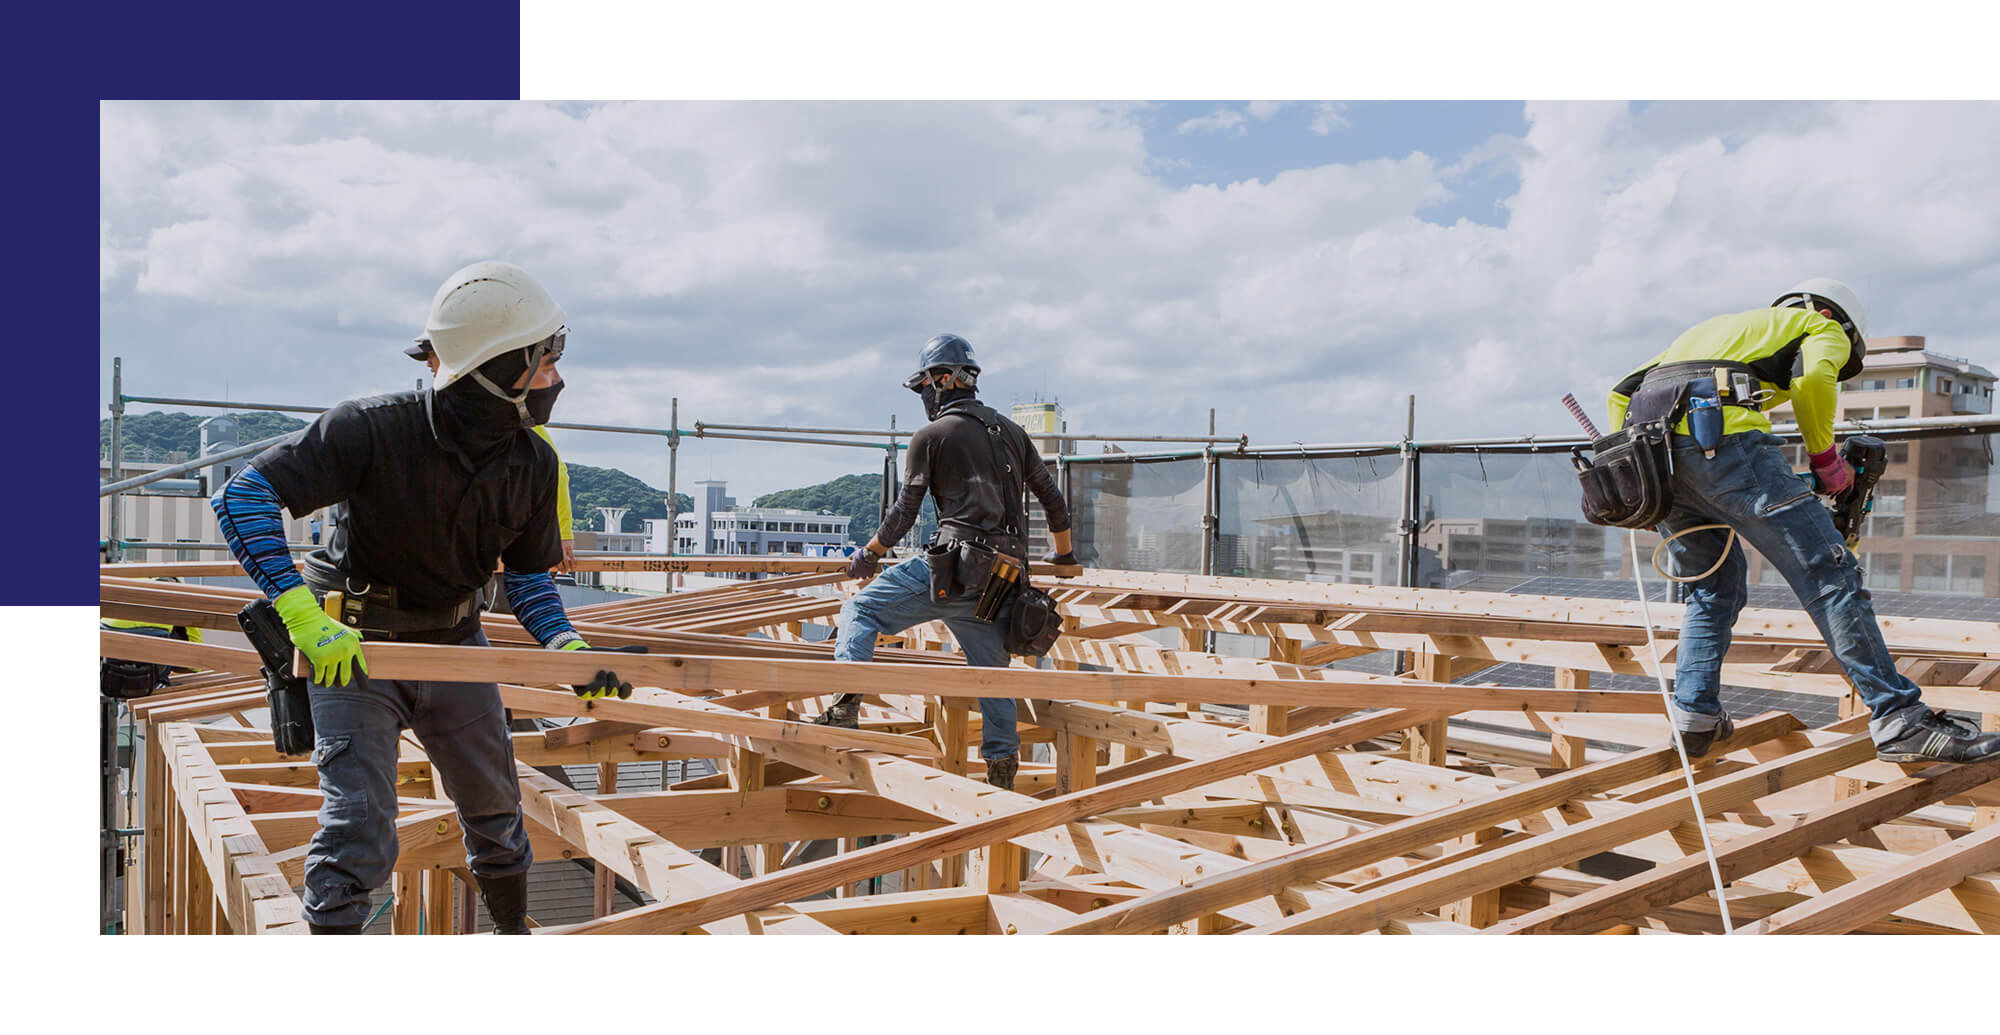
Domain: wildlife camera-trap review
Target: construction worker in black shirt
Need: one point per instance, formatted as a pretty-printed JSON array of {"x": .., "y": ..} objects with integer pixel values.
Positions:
[
  {"x": 976, "y": 463},
  {"x": 432, "y": 489}
]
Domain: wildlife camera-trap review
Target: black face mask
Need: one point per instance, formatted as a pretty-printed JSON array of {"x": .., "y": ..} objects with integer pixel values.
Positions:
[
  {"x": 542, "y": 402},
  {"x": 936, "y": 402}
]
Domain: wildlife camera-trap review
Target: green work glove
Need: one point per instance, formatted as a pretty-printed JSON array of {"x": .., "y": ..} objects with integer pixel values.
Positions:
[
  {"x": 606, "y": 682},
  {"x": 333, "y": 648}
]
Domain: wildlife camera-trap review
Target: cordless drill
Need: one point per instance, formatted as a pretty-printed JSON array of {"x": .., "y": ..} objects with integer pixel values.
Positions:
[{"x": 1868, "y": 455}]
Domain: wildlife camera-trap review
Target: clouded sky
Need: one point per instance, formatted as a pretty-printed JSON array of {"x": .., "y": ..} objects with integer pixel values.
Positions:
[{"x": 1298, "y": 267}]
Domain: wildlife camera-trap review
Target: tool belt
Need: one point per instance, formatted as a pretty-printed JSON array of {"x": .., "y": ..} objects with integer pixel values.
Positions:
[
  {"x": 373, "y": 608},
  {"x": 962, "y": 564},
  {"x": 129, "y": 680},
  {"x": 1628, "y": 480},
  {"x": 1669, "y": 375}
]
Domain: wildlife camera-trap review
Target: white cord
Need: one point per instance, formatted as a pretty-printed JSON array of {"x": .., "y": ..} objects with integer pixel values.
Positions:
[
  {"x": 1687, "y": 770},
  {"x": 1712, "y": 569}
]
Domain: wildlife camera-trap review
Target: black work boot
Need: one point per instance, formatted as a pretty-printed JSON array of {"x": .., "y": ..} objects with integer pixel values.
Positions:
[
  {"x": 1697, "y": 744},
  {"x": 844, "y": 712},
  {"x": 1000, "y": 771},
  {"x": 1933, "y": 736},
  {"x": 334, "y": 928},
  {"x": 507, "y": 900}
]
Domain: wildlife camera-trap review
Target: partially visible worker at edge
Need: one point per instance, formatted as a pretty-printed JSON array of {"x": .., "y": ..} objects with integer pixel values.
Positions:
[
  {"x": 125, "y": 679},
  {"x": 422, "y": 352},
  {"x": 438, "y": 486},
  {"x": 970, "y": 466},
  {"x": 1818, "y": 327}
]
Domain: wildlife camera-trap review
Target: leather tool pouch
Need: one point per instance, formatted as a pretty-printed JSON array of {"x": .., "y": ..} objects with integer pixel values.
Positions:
[
  {"x": 975, "y": 564},
  {"x": 1628, "y": 481},
  {"x": 943, "y": 561}
]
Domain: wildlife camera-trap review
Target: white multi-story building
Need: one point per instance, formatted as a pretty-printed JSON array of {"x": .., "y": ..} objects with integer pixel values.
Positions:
[{"x": 719, "y": 527}]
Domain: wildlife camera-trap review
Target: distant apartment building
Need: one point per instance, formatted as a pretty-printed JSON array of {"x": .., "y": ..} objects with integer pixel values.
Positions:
[
  {"x": 719, "y": 527},
  {"x": 1328, "y": 546},
  {"x": 1043, "y": 421},
  {"x": 1935, "y": 527},
  {"x": 176, "y": 510},
  {"x": 1516, "y": 546}
]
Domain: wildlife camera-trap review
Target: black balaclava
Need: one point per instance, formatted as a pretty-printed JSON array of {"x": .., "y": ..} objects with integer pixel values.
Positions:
[
  {"x": 473, "y": 421},
  {"x": 542, "y": 402},
  {"x": 935, "y": 402}
]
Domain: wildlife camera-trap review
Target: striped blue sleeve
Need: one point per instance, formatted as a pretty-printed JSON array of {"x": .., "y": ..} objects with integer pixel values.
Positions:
[
  {"x": 539, "y": 607},
  {"x": 248, "y": 510}
]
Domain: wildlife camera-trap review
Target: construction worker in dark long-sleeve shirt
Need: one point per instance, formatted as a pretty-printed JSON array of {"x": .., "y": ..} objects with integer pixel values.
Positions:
[{"x": 976, "y": 463}]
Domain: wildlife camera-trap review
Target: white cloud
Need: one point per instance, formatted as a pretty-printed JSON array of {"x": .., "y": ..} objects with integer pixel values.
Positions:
[
  {"x": 1329, "y": 116},
  {"x": 1221, "y": 120},
  {"x": 780, "y": 263},
  {"x": 1264, "y": 111}
]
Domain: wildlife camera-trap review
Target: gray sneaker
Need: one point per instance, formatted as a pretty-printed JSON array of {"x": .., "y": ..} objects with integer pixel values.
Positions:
[
  {"x": 844, "y": 712},
  {"x": 1697, "y": 744},
  {"x": 1936, "y": 737},
  {"x": 1000, "y": 771}
]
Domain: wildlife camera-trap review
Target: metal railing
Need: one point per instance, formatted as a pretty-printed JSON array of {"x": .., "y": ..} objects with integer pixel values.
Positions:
[{"x": 851, "y": 438}]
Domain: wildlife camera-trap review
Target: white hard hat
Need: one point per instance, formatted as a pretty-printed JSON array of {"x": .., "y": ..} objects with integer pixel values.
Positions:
[
  {"x": 1827, "y": 289},
  {"x": 485, "y": 310}
]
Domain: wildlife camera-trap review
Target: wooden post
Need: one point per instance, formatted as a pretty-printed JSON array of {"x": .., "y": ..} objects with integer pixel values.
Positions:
[
  {"x": 405, "y": 915},
  {"x": 1482, "y": 909},
  {"x": 468, "y": 904},
  {"x": 605, "y": 883},
  {"x": 1845, "y": 787},
  {"x": 1076, "y": 761},
  {"x": 437, "y": 901},
  {"x": 746, "y": 774},
  {"x": 951, "y": 722},
  {"x": 1565, "y": 751},
  {"x": 1429, "y": 743},
  {"x": 1275, "y": 719},
  {"x": 1196, "y": 640},
  {"x": 154, "y": 863}
]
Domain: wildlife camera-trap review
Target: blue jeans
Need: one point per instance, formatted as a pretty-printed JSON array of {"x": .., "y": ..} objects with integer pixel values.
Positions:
[
  {"x": 1749, "y": 487},
  {"x": 900, "y": 598},
  {"x": 463, "y": 729}
]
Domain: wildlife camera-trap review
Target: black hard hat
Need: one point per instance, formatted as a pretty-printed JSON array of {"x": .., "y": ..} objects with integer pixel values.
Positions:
[{"x": 947, "y": 351}]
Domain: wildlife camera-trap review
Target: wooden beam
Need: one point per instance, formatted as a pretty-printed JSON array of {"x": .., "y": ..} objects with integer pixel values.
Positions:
[
  {"x": 1163, "y": 909},
  {"x": 1493, "y": 869},
  {"x": 1858, "y": 902},
  {"x": 1007, "y": 820},
  {"x": 1673, "y": 882}
]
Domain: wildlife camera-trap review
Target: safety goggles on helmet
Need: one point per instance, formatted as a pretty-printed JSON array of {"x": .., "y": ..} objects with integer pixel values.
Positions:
[
  {"x": 421, "y": 351},
  {"x": 549, "y": 349}
]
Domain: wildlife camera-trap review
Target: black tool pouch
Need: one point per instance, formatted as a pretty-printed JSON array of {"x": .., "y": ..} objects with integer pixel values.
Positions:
[
  {"x": 129, "y": 680},
  {"x": 1036, "y": 626},
  {"x": 1628, "y": 480},
  {"x": 975, "y": 564},
  {"x": 291, "y": 715},
  {"x": 943, "y": 561}
]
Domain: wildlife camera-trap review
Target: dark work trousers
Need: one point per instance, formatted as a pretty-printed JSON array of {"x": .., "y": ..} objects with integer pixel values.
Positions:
[{"x": 463, "y": 729}]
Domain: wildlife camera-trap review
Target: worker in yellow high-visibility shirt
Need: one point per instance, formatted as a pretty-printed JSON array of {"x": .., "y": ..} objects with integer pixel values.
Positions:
[
  {"x": 1743, "y": 488},
  {"x": 422, "y": 351}
]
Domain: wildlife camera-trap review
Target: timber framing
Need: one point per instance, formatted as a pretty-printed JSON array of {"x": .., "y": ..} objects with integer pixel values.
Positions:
[{"x": 1173, "y": 789}]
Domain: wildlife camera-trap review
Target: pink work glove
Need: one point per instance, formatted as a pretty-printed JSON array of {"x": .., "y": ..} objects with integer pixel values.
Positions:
[{"x": 1832, "y": 471}]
